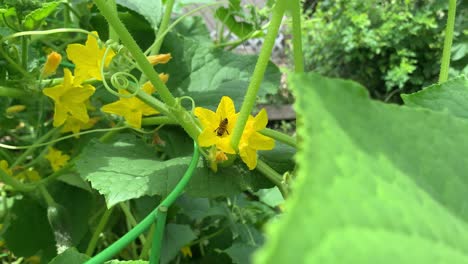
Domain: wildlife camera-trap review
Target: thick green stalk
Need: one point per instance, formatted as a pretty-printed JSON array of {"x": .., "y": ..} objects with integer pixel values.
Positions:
[
  {"x": 279, "y": 136},
  {"x": 273, "y": 176},
  {"x": 444, "y": 66},
  {"x": 158, "y": 120},
  {"x": 112, "y": 34},
  {"x": 297, "y": 36},
  {"x": 185, "y": 119},
  {"x": 12, "y": 92},
  {"x": 135, "y": 50},
  {"x": 162, "y": 28},
  {"x": 102, "y": 224},
  {"x": 259, "y": 71},
  {"x": 158, "y": 235}
]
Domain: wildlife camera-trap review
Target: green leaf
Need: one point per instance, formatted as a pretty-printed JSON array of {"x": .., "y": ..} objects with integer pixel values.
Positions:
[
  {"x": 115, "y": 261},
  {"x": 78, "y": 205},
  {"x": 150, "y": 10},
  {"x": 272, "y": 197},
  {"x": 128, "y": 169},
  {"x": 175, "y": 237},
  {"x": 240, "y": 253},
  {"x": 377, "y": 183},
  {"x": 240, "y": 29},
  {"x": 206, "y": 73},
  {"x": 450, "y": 96},
  {"x": 29, "y": 231},
  {"x": 34, "y": 19},
  {"x": 70, "y": 256},
  {"x": 194, "y": 28}
]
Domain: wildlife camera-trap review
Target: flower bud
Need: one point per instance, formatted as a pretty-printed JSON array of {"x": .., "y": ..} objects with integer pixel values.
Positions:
[
  {"x": 15, "y": 109},
  {"x": 164, "y": 77},
  {"x": 159, "y": 59},
  {"x": 53, "y": 61}
]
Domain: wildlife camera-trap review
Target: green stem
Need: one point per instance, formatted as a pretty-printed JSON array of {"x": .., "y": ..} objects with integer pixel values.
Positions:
[
  {"x": 102, "y": 224},
  {"x": 162, "y": 28},
  {"x": 135, "y": 50},
  {"x": 12, "y": 92},
  {"x": 17, "y": 185},
  {"x": 47, "y": 197},
  {"x": 147, "y": 245},
  {"x": 158, "y": 235},
  {"x": 110, "y": 134},
  {"x": 259, "y": 71},
  {"x": 158, "y": 120},
  {"x": 286, "y": 139},
  {"x": 148, "y": 220},
  {"x": 24, "y": 52},
  {"x": 273, "y": 176},
  {"x": 12, "y": 62},
  {"x": 112, "y": 33},
  {"x": 445, "y": 64},
  {"x": 39, "y": 141},
  {"x": 181, "y": 115},
  {"x": 297, "y": 36},
  {"x": 131, "y": 219}
]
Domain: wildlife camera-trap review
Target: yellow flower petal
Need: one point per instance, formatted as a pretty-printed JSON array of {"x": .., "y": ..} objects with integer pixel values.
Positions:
[
  {"x": 224, "y": 144},
  {"x": 261, "y": 120},
  {"x": 208, "y": 118},
  {"x": 226, "y": 108},
  {"x": 260, "y": 142},
  {"x": 207, "y": 138},
  {"x": 56, "y": 158},
  {"x": 60, "y": 115},
  {"x": 133, "y": 118},
  {"x": 4, "y": 166},
  {"x": 249, "y": 157},
  {"x": 88, "y": 58}
]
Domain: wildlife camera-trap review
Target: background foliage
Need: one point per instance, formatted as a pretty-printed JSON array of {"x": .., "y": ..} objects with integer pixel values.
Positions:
[{"x": 387, "y": 46}]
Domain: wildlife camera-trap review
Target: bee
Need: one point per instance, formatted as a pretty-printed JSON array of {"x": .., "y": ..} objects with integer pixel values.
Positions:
[{"x": 222, "y": 128}]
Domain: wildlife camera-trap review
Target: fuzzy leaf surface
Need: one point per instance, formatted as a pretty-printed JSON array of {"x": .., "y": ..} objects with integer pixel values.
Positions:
[{"x": 371, "y": 187}]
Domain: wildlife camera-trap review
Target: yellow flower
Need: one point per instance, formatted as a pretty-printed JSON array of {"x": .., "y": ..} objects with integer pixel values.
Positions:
[
  {"x": 159, "y": 59},
  {"x": 132, "y": 109},
  {"x": 217, "y": 127},
  {"x": 56, "y": 158},
  {"x": 53, "y": 61},
  {"x": 70, "y": 98},
  {"x": 186, "y": 251},
  {"x": 88, "y": 58},
  {"x": 29, "y": 175},
  {"x": 252, "y": 140},
  {"x": 75, "y": 125},
  {"x": 5, "y": 167}
]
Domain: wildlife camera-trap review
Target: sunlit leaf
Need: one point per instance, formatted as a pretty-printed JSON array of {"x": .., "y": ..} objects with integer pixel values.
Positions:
[{"x": 377, "y": 183}]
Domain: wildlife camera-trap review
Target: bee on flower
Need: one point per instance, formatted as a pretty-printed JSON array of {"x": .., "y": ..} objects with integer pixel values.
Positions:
[{"x": 217, "y": 128}]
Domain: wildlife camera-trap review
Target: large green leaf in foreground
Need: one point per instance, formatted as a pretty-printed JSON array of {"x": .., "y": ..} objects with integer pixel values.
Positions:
[{"x": 377, "y": 183}]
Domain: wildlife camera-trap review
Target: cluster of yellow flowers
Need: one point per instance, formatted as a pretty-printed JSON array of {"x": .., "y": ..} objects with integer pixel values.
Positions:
[
  {"x": 217, "y": 128},
  {"x": 72, "y": 95}
]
